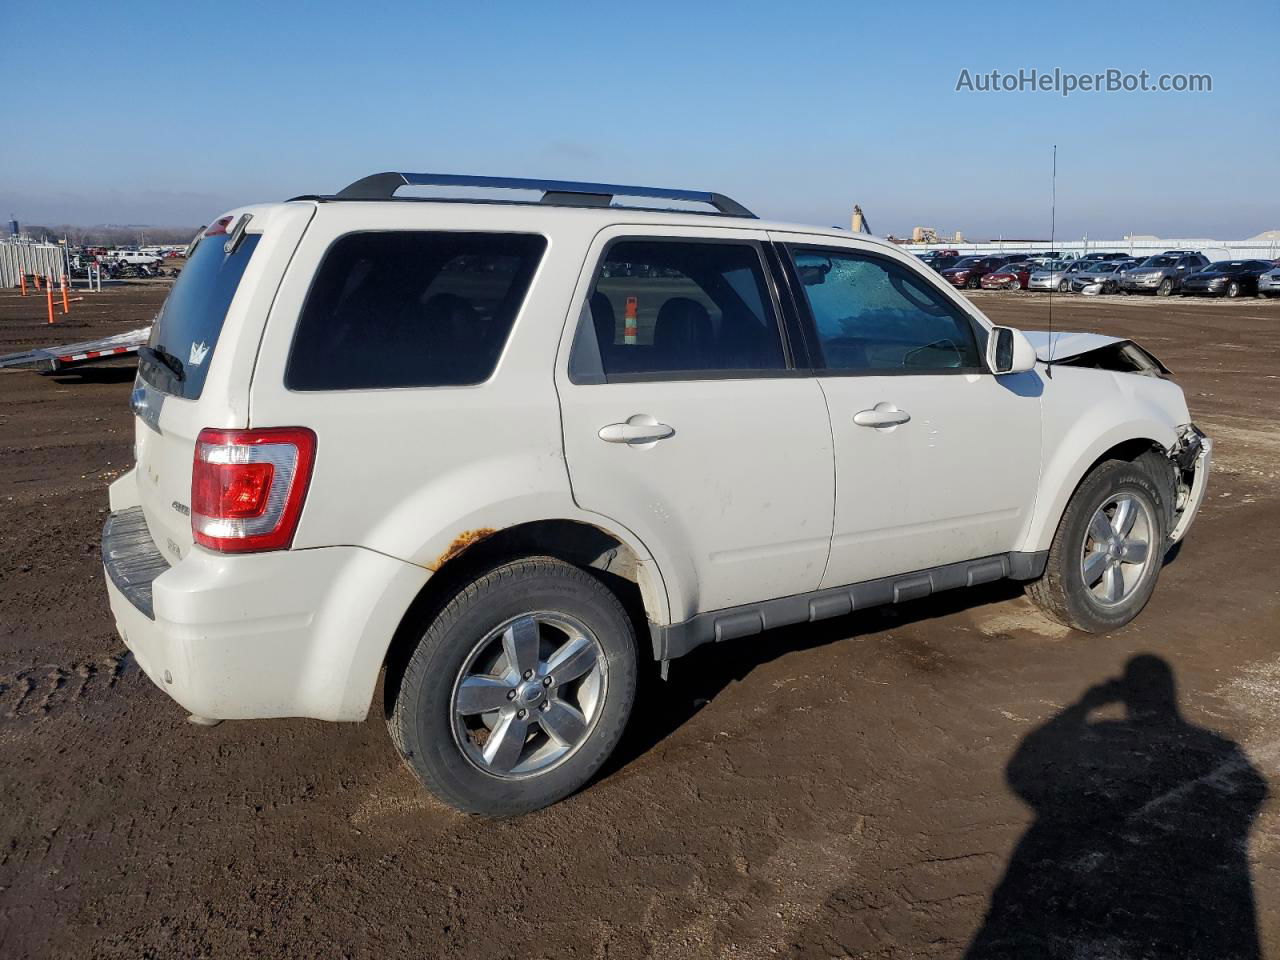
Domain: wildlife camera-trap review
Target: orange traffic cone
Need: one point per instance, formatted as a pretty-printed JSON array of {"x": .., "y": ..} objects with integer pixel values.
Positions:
[{"x": 629, "y": 326}]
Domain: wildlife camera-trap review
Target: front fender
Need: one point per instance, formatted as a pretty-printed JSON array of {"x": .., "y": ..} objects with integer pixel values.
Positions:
[{"x": 1086, "y": 413}]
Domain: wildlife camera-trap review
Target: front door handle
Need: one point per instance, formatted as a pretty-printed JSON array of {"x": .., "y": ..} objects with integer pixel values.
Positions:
[
  {"x": 881, "y": 415},
  {"x": 639, "y": 429}
]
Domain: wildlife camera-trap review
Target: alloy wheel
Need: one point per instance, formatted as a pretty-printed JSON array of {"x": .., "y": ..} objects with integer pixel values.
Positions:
[
  {"x": 1117, "y": 549},
  {"x": 529, "y": 695}
]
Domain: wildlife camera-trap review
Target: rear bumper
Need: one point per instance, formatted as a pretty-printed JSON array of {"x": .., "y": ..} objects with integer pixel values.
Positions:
[{"x": 288, "y": 633}]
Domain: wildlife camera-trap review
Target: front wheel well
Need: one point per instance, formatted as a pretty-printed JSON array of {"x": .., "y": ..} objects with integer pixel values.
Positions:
[
  {"x": 1139, "y": 450},
  {"x": 1129, "y": 450}
]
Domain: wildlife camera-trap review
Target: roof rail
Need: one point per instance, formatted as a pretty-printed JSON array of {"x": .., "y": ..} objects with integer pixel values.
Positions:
[{"x": 383, "y": 186}]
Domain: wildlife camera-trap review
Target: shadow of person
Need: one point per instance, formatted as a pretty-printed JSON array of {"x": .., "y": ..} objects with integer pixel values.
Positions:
[{"x": 1140, "y": 843}]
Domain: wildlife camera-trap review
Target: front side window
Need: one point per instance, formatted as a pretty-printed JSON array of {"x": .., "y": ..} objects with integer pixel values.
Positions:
[
  {"x": 874, "y": 315},
  {"x": 677, "y": 309},
  {"x": 411, "y": 309}
]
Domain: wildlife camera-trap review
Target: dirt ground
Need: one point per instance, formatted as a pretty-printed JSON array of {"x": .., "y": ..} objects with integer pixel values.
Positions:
[{"x": 894, "y": 784}]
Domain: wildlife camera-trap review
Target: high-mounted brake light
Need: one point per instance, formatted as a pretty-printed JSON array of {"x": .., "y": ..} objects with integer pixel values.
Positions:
[
  {"x": 219, "y": 226},
  {"x": 248, "y": 486}
]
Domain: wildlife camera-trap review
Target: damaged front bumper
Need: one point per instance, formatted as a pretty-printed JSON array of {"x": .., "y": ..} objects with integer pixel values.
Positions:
[{"x": 1192, "y": 458}]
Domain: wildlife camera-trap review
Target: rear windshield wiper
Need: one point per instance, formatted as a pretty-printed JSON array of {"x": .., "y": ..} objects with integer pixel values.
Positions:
[{"x": 165, "y": 359}]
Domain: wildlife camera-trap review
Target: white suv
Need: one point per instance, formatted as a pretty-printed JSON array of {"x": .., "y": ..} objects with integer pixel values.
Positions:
[{"x": 504, "y": 450}]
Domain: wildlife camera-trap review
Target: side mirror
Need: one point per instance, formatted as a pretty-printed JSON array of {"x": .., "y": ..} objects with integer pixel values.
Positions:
[{"x": 1008, "y": 351}]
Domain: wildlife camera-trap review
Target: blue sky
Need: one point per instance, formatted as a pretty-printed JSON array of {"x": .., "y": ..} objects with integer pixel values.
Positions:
[{"x": 165, "y": 113}]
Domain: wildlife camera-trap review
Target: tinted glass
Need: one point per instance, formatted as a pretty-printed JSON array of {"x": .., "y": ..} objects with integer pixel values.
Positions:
[
  {"x": 191, "y": 319},
  {"x": 662, "y": 307},
  {"x": 874, "y": 314},
  {"x": 411, "y": 309}
]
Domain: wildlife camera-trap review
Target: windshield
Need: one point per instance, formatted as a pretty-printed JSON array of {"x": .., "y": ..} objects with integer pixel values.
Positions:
[
  {"x": 1159, "y": 261},
  {"x": 970, "y": 262},
  {"x": 1226, "y": 266},
  {"x": 187, "y": 328}
]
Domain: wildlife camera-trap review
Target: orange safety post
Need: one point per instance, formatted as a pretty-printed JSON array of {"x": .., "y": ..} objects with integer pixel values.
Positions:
[
  {"x": 66, "y": 307},
  {"x": 630, "y": 324},
  {"x": 48, "y": 294},
  {"x": 22, "y": 279},
  {"x": 36, "y": 277}
]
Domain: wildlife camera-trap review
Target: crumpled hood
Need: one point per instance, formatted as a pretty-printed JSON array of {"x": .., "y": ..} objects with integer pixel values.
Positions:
[
  {"x": 1067, "y": 344},
  {"x": 1096, "y": 350}
]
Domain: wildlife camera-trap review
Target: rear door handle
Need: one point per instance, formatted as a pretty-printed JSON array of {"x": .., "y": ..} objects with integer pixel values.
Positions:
[
  {"x": 881, "y": 415},
  {"x": 639, "y": 429}
]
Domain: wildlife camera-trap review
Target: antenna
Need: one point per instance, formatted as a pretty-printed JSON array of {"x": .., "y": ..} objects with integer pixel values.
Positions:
[{"x": 1053, "y": 222}]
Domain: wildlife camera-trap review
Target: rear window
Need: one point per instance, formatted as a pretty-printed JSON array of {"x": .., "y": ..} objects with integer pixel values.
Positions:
[
  {"x": 187, "y": 329},
  {"x": 411, "y": 309}
]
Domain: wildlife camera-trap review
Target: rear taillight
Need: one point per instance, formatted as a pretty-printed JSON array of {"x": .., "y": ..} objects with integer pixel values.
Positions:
[{"x": 247, "y": 487}]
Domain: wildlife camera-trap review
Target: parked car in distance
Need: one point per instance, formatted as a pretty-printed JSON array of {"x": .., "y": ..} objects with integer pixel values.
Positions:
[
  {"x": 943, "y": 263},
  {"x": 488, "y": 458},
  {"x": 1092, "y": 257},
  {"x": 1161, "y": 274},
  {"x": 969, "y": 271},
  {"x": 1227, "y": 278},
  {"x": 1103, "y": 272},
  {"x": 1056, "y": 275},
  {"x": 1269, "y": 283},
  {"x": 1012, "y": 276}
]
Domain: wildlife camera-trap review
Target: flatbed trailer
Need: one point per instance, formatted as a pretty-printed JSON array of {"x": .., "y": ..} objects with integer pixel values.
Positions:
[{"x": 53, "y": 359}]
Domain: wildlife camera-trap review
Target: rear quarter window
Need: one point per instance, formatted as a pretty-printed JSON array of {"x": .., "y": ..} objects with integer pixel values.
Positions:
[{"x": 411, "y": 309}]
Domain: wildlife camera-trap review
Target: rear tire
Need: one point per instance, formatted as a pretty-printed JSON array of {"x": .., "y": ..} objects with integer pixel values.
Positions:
[
  {"x": 1106, "y": 556},
  {"x": 504, "y": 758}
]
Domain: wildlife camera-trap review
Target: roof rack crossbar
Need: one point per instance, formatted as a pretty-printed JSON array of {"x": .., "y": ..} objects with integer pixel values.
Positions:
[{"x": 383, "y": 186}]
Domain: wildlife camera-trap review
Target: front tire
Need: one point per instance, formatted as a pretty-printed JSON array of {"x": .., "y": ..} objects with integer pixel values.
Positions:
[
  {"x": 1106, "y": 556},
  {"x": 519, "y": 689},
  {"x": 1165, "y": 288},
  {"x": 1233, "y": 290},
  {"x": 1063, "y": 286}
]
